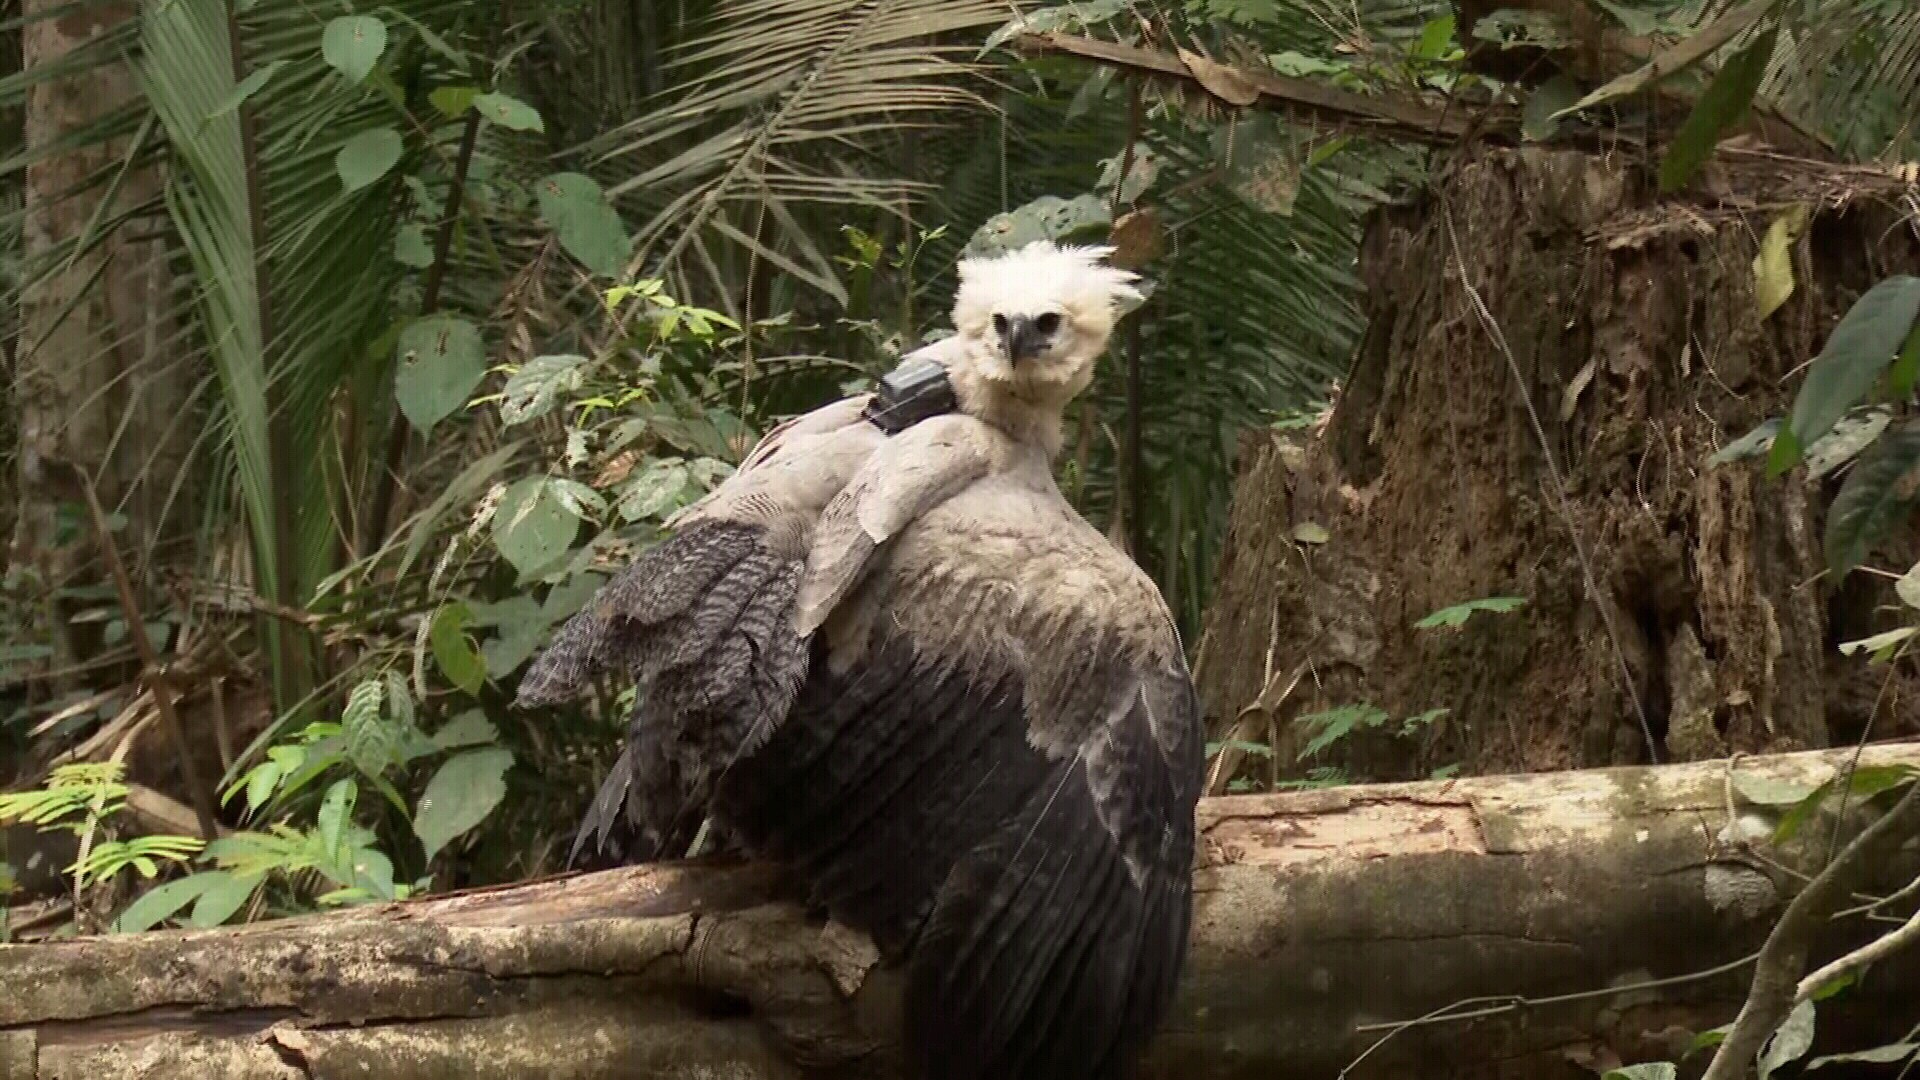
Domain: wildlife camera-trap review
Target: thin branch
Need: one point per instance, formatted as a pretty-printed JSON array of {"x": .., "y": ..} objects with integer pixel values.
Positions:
[
  {"x": 1879, "y": 949},
  {"x": 1776, "y": 978}
]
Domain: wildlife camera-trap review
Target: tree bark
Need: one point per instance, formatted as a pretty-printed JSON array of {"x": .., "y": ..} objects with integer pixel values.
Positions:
[
  {"x": 98, "y": 381},
  {"x": 1320, "y": 916},
  {"x": 1553, "y": 353}
]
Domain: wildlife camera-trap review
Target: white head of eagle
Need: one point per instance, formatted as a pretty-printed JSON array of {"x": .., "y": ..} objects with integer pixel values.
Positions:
[{"x": 1031, "y": 324}]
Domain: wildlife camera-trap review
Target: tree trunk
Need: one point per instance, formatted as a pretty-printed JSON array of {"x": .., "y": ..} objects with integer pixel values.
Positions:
[
  {"x": 99, "y": 381},
  {"x": 1556, "y": 288},
  {"x": 1320, "y": 917}
]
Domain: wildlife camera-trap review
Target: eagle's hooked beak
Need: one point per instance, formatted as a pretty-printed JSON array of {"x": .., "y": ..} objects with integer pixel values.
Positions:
[{"x": 1023, "y": 338}]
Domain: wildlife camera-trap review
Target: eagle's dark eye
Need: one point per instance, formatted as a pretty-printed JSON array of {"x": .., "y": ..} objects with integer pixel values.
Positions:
[
  {"x": 1000, "y": 325},
  {"x": 1047, "y": 323}
]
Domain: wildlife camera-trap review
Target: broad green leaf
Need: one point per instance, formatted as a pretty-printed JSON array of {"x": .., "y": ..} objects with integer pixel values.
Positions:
[
  {"x": 1082, "y": 219},
  {"x": 460, "y": 796},
  {"x": 1880, "y": 646},
  {"x": 1709, "y": 1038},
  {"x": 453, "y": 101},
  {"x": 222, "y": 898},
  {"x": 1650, "y": 1070},
  {"x": 335, "y": 813},
  {"x": 1859, "y": 352},
  {"x": 260, "y": 784},
  {"x": 1767, "y": 791},
  {"x": 367, "y": 156},
  {"x": 441, "y": 361},
  {"x": 162, "y": 903},
  {"x": 1309, "y": 532},
  {"x": 410, "y": 246},
  {"x": 1908, "y": 587},
  {"x": 454, "y": 651},
  {"x": 580, "y": 500},
  {"x": 1876, "y": 497},
  {"x": 1436, "y": 38},
  {"x": 1890, "y": 1054},
  {"x": 352, "y": 44},
  {"x": 1458, "y": 614},
  {"x": 1790, "y": 1042},
  {"x": 1720, "y": 108},
  {"x": 577, "y": 211},
  {"x": 1852, "y": 434},
  {"x": 1753, "y": 444},
  {"x": 656, "y": 490},
  {"x": 470, "y": 728},
  {"x": 1773, "y": 266},
  {"x": 532, "y": 391},
  {"x": 1906, "y": 370},
  {"x": 508, "y": 112},
  {"x": 1539, "y": 119},
  {"x": 532, "y": 527},
  {"x": 246, "y": 88}
]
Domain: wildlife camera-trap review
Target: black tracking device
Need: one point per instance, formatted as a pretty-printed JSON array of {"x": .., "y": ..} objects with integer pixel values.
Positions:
[{"x": 910, "y": 393}]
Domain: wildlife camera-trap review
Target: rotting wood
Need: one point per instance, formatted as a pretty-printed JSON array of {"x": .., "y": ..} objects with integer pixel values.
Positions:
[{"x": 1320, "y": 916}]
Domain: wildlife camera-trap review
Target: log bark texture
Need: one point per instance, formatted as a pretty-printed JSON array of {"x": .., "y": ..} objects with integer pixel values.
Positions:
[{"x": 1320, "y": 915}]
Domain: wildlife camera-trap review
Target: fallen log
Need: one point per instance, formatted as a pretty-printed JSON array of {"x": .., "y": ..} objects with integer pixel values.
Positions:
[{"x": 1578, "y": 907}]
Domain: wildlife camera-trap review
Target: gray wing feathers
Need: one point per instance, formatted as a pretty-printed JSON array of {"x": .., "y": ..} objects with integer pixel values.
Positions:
[{"x": 912, "y": 473}]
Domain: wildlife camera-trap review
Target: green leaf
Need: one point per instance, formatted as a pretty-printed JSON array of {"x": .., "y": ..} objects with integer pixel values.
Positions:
[
  {"x": 367, "y": 156},
  {"x": 1773, "y": 267},
  {"x": 1650, "y": 1070},
  {"x": 470, "y": 728},
  {"x": 1337, "y": 724},
  {"x": 577, "y": 210},
  {"x": 336, "y": 813},
  {"x": 656, "y": 490},
  {"x": 1906, "y": 370},
  {"x": 441, "y": 361},
  {"x": 246, "y": 88},
  {"x": 410, "y": 246},
  {"x": 1790, "y": 1042},
  {"x": 1720, "y": 108},
  {"x": 532, "y": 527},
  {"x": 1753, "y": 444},
  {"x": 1435, "y": 38},
  {"x": 1880, "y": 646},
  {"x": 1539, "y": 120},
  {"x": 1709, "y": 1038},
  {"x": 1766, "y": 791},
  {"x": 508, "y": 112},
  {"x": 260, "y": 784},
  {"x": 532, "y": 391},
  {"x": 454, "y": 651},
  {"x": 1852, "y": 434},
  {"x": 1859, "y": 352},
  {"x": 1049, "y": 217},
  {"x": 1890, "y": 1054},
  {"x": 352, "y": 44},
  {"x": 1908, "y": 587},
  {"x": 159, "y": 904},
  {"x": 454, "y": 101},
  {"x": 460, "y": 796},
  {"x": 1458, "y": 614},
  {"x": 222, "y": 898},
  {"x": 1876, "y": 497}
]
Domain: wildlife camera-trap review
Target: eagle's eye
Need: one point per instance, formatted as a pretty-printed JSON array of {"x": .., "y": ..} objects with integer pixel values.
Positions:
[
  {"x": 1047, "y": 323},
  {"x": 1000, "y": 325}
]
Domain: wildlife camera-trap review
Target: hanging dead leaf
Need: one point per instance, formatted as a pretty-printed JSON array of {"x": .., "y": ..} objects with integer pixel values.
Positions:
[
  {"x": 1137, "y": 239},
  {"x": 1223, "y": 82}
]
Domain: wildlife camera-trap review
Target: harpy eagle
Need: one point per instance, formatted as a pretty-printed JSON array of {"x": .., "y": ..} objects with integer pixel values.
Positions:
[{"x": 888, "y": 654}]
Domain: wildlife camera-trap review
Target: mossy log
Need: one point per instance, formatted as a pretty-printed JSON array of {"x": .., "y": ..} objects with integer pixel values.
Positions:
[{"x": 1321, "y": 916}]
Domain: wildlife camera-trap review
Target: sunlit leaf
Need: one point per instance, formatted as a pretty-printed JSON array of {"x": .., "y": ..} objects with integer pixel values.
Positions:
[
  {"x": 532, "y": 391},
  {"x": 1458, "y": 614},
  {"x": 1773, "y": 267},
  {"x": 453, "y": 649},
  {"x": 509, "y": 112}
]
